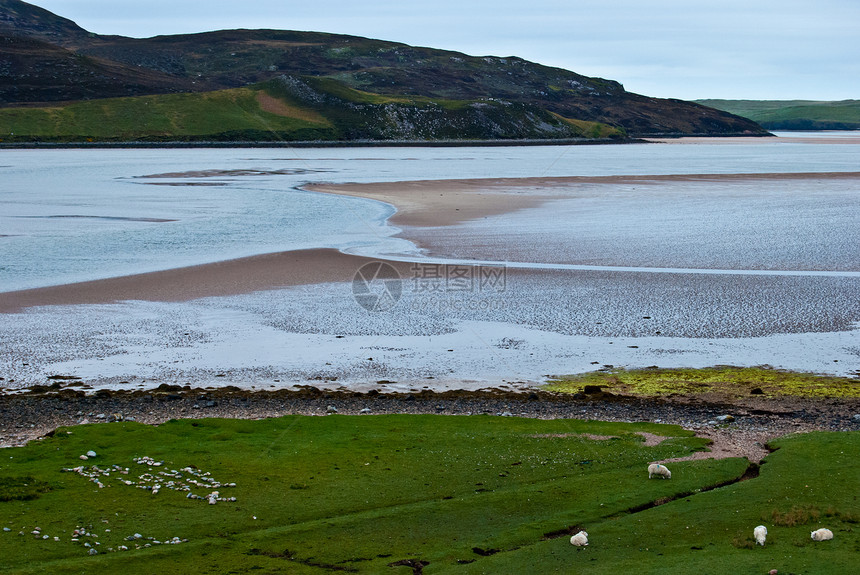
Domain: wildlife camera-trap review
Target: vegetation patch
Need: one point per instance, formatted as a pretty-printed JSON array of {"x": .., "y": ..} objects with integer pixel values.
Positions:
[
  {"x": 22, "y": 488},
  {"x": 794, "y": 114},
  {"x": 237, "y": 114},
  {"x": 724, "y": 380}
]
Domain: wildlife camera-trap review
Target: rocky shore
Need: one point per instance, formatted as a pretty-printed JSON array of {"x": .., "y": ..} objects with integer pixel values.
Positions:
[{"x": 737, "y": 427}]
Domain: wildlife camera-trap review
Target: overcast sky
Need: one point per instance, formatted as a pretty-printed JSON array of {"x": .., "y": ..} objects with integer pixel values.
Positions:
[{"x": 757, "y": 49}]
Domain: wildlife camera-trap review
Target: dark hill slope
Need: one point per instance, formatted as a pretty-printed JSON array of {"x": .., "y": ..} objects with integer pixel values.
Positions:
[
  {"x": 32, "y": 71},
  {"x": 20, "y": 18},
  {"x": 237, "y": 58}
]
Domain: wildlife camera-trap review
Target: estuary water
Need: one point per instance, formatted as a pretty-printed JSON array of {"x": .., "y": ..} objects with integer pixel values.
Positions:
[{"x": 590, "y": 294}]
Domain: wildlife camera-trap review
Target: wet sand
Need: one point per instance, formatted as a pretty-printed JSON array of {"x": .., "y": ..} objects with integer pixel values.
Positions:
[
  {"x": 231, "y": 277},
  {"x": 433, "y": 203}
]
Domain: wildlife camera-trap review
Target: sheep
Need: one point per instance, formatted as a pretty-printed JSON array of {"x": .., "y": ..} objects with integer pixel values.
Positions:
[
  {"x": 580, "y": 539},
  {"x": 822, "y": 534},
  {"x": 760, "y": 534},
  {"x": 661, "y": 470}
]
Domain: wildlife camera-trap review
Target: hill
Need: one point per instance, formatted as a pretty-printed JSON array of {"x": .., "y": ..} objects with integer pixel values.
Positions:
[
  {"x": 794, "y": 114},
  {"x": 362, "y": 88}
]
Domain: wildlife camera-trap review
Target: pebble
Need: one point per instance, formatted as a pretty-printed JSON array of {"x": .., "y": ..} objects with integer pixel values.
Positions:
[
  {"x": 6, "y": 529},
  {"x": 725, "y": 418},
  {"x": 856, "y": 417},
  {"x": 93, "y": 552},
  {"x": 91, "y": 453},
  {"x": 331, "y": 409}
]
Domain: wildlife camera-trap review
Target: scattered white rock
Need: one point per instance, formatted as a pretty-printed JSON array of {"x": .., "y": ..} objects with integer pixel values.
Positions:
[
  {"x": 580, "y": 539},
  {"x": 822, "y": 534},
  {"x": 331, "y": 409},
  {"x": 91, "y": 454},
  {"x": 760, "y": 534},
  {"x": 93, "y": 552}
]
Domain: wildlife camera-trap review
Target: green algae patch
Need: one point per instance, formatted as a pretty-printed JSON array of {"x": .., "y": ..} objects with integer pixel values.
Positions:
[{"x": 723, "y": 380}]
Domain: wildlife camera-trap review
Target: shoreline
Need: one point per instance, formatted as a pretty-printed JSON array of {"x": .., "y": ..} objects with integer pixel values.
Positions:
[
  {"x": 350, "y": 143},
  {"x": 27, "y": 417}
]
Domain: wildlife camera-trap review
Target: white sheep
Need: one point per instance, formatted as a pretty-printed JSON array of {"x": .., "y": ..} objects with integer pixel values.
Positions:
[
  {"x": 661, "y": 470},
  {"x": 760, "y": 534},
  {"x": 580, "y": 539},
  {"x": 822, "y": 534}
]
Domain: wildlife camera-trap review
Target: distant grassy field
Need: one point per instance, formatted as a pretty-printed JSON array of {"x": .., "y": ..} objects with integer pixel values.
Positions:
[
  {"x": 731, "y": 381},
  {"x": 407, "y": 494},
  {"x": 794, "y": 114}
]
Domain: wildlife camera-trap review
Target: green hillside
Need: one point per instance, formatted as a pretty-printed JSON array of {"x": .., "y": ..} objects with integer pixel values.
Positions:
[
  {"x": 287, "y": 109},
  {"x": 794, "y": 114}
]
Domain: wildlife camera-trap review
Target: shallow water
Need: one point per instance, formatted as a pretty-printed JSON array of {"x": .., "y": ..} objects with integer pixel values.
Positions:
[
  {"x": 73, "y": 215},
  {"x": 788, "y": 295}
]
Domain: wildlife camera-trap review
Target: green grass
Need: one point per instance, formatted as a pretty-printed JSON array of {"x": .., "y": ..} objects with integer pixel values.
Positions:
[
  {"x": 726, "y": 380},
  {"x": 473, "y": 494},
  {"x": 225, "y": 114},
  {"x": 794, "y": 114}
]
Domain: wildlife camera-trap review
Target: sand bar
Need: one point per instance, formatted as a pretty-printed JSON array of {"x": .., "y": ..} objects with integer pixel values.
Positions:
[
  {"x": 432, "y": 203},
  {"x": 231, "y": 277}
]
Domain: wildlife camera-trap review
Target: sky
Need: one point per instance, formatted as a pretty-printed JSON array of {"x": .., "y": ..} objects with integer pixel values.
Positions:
[{"x": 687, "y": 49}]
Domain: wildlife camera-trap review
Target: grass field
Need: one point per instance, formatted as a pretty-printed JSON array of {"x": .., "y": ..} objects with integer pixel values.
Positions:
[
  {"x": 407, "y": 494},
  {"x": 794, "y": 114}
]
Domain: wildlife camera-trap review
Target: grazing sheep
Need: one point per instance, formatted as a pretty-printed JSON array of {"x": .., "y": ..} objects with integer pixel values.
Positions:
[
  {"x": 580, "y": 539},
  {"x": 760, "y": 534},
  {"x": 661, "y": 470},
  {"x": 822, "y": 534}
]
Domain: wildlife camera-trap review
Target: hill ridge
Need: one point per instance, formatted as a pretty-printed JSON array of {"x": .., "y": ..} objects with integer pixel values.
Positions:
[{"x": 542, "y": 101}]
